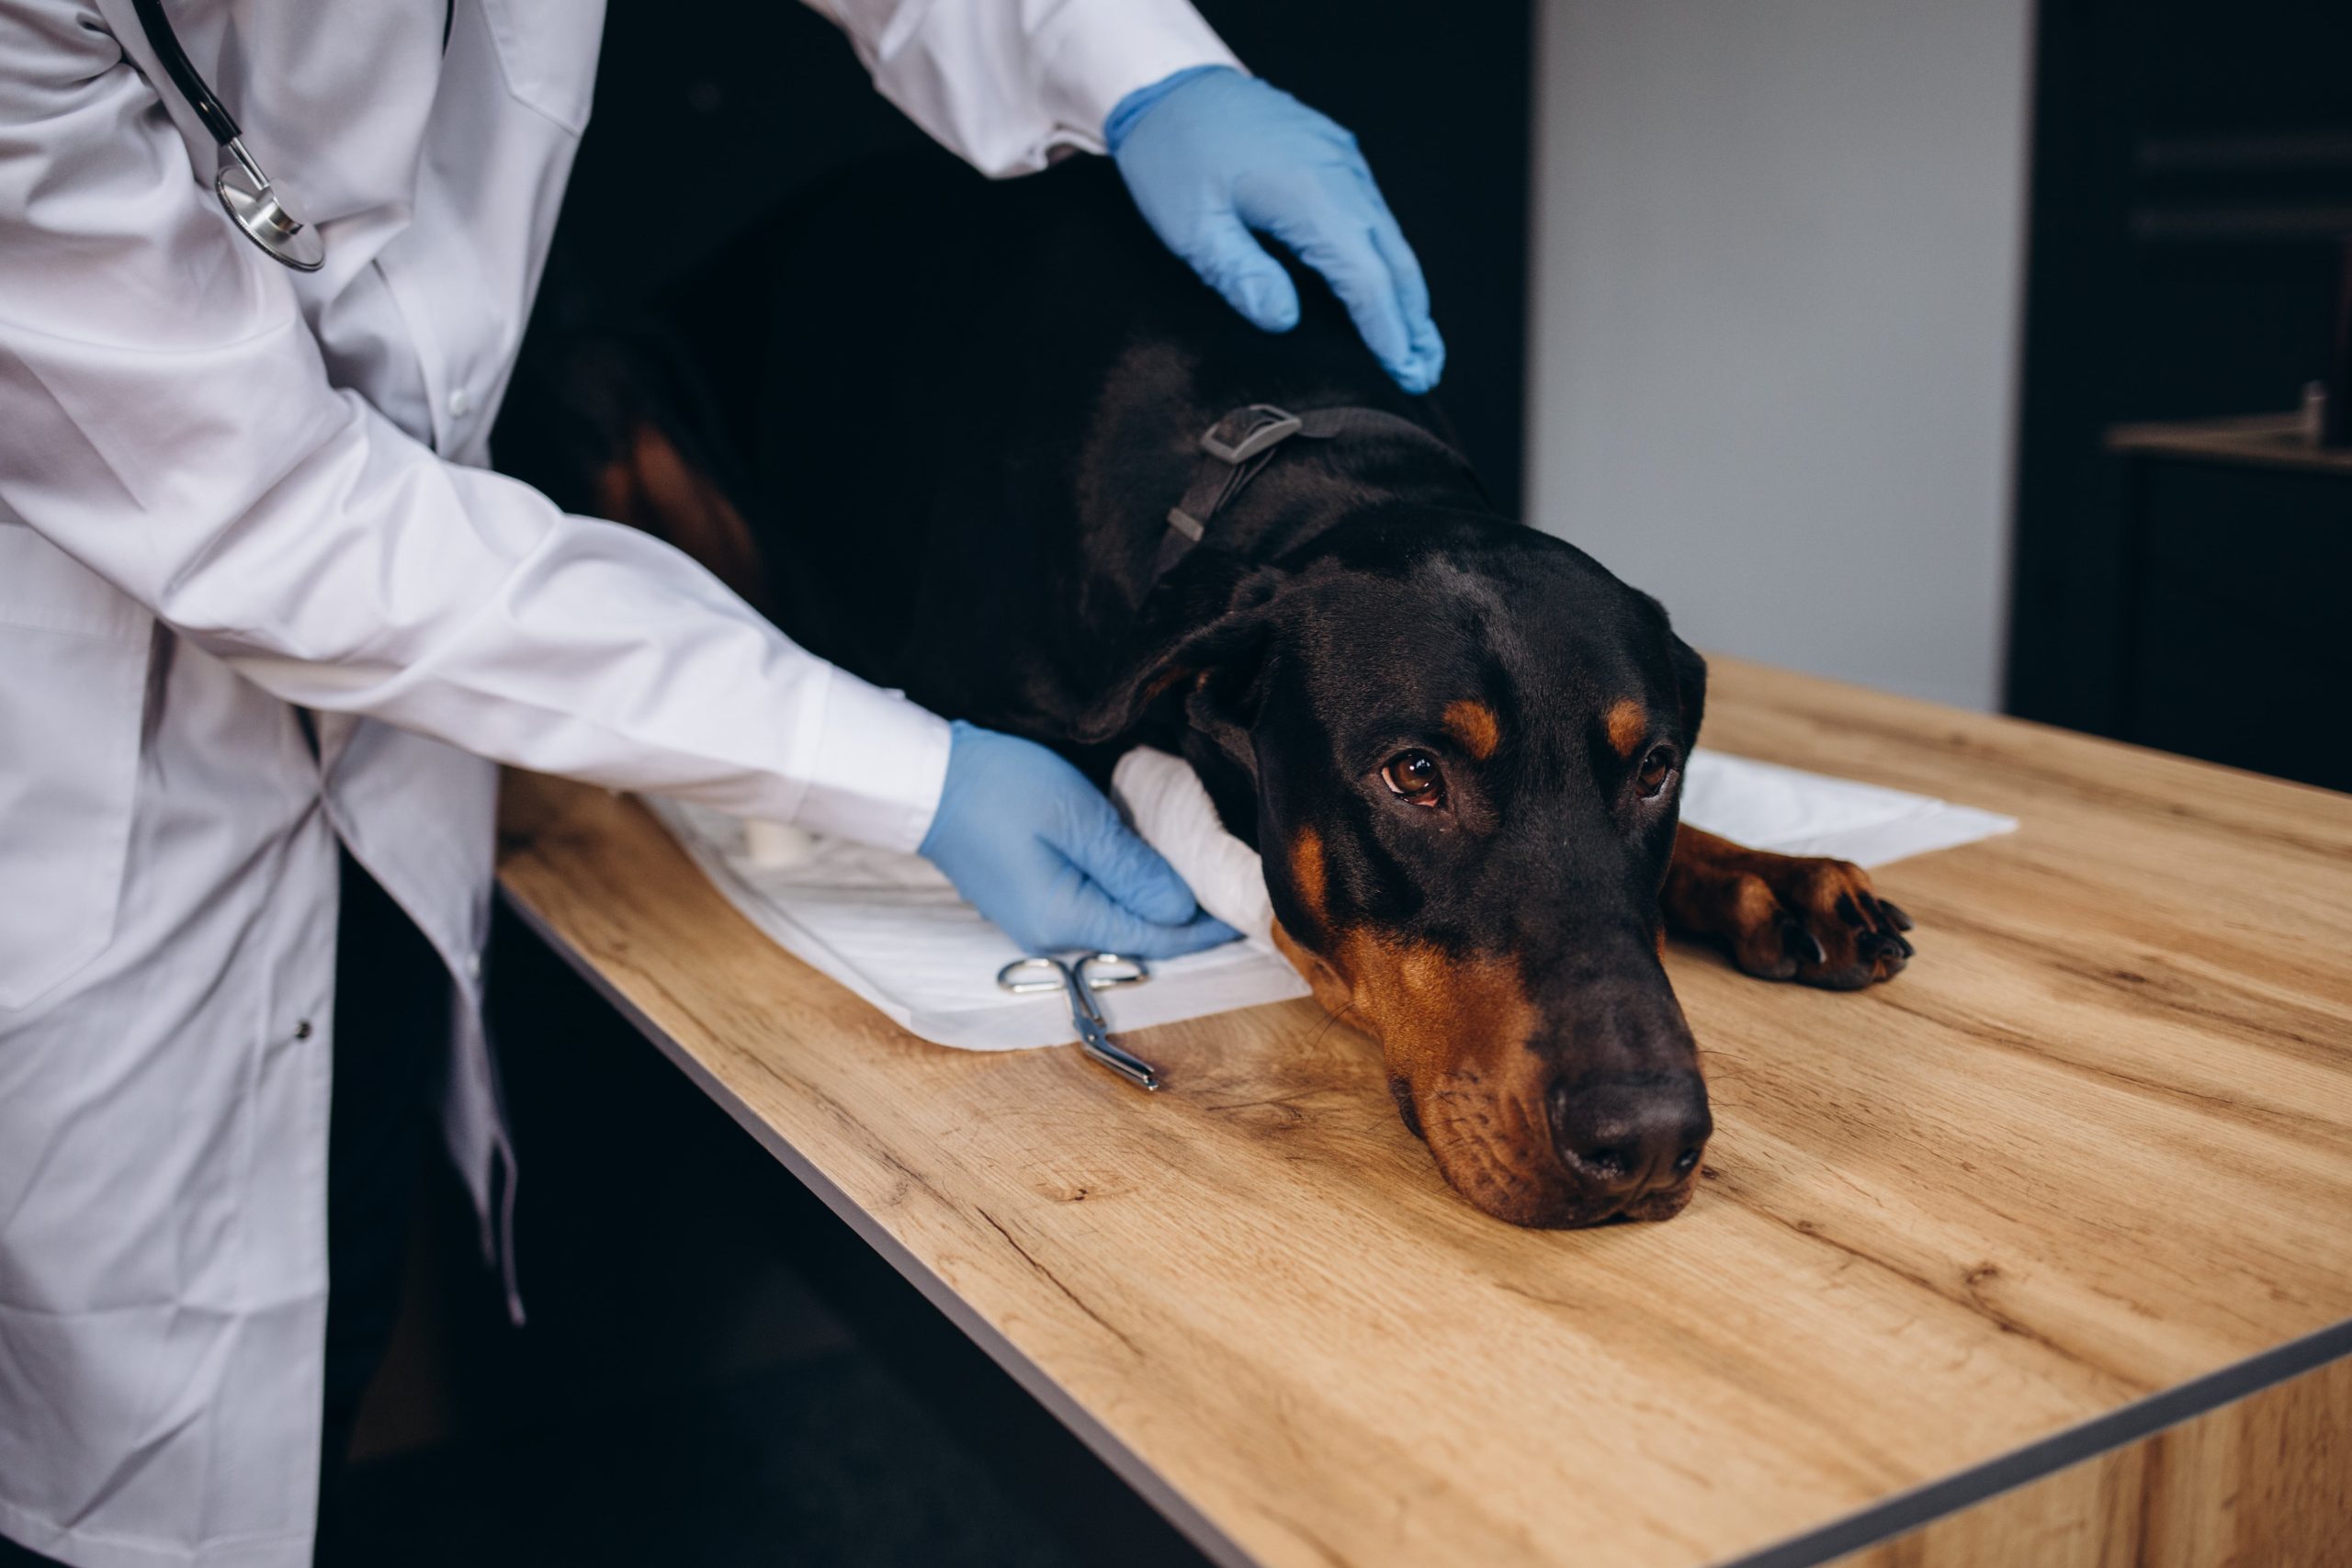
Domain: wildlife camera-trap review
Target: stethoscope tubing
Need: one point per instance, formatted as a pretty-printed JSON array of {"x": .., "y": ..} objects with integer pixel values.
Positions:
[
  {"x": 218, "y": 121},
  {"x": 252, "y": 203}
]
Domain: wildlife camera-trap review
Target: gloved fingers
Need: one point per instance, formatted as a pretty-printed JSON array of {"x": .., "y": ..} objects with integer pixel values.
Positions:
[
  {"x": 1412, "y": 294},
  {"x": 1333, "y": 235},
  {"x": 1231, "y": 261},
  {"x": 1198, "y": 934},
  {"x": 1112, "y": 857},
  {"x": 1098, "y": 923}
]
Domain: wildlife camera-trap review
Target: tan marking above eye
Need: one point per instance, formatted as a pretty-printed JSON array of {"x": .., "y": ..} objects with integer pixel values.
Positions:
[
  {"x": 1475, "y": 726},
  {"x": 1628, "y": 722}
]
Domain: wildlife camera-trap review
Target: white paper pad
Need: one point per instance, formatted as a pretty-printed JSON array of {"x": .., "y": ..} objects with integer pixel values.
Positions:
[
  {"x": 891, "y": 927},
  {"x": 1767, "y": 807}
]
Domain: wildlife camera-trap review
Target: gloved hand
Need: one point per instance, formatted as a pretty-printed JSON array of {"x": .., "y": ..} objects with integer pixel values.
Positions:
[
  {"x": 1210, "y": 155},
  {"x": 1039, "y": 851}
]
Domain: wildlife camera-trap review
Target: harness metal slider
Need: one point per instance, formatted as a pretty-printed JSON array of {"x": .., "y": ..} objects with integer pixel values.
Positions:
[{"x": 1262, "y": 426}]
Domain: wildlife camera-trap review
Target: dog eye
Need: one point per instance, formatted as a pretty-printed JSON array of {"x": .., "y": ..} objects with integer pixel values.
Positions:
[
  {"x": 1413, "y": 777},
  {"x": 1656, "y": 769}
]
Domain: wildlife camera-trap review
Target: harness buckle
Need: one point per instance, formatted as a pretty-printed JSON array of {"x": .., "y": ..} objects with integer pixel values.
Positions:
[{"x": 1253, "y": 429}]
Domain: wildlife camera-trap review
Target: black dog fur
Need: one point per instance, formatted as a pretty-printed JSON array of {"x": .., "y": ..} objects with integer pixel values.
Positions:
[{"x": 975, "y": 406}]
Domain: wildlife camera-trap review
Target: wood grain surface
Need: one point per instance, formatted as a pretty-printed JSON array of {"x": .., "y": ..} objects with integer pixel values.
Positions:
[
  {"x": 2095, "y": 1143},
  {"x": 2262, "y": 1482}
]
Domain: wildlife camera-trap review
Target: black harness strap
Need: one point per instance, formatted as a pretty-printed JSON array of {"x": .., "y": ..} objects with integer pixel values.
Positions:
[{"x": 1237, "y": 448}]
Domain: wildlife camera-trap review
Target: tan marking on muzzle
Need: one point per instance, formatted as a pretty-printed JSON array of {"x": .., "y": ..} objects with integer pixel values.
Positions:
[
  {"x": 1330, "y": 991},
  {"x": 1436, "y": 1012},
  {"x": 1307, "y": 877},
  {"x": 1454, "y": 1031},
  {"x": 1433, "y": 1011}
]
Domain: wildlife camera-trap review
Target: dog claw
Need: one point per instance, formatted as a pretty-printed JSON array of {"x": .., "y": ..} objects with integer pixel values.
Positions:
[
  {"x": 1802, "y": 944},
  {"x": 1834, "y": 932}
]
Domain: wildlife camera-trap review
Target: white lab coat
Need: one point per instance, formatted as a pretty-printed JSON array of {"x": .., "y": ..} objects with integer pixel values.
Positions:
[{"x": 228, "y": 489}]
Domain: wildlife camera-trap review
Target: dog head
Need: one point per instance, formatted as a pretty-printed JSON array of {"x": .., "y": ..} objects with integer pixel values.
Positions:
[{"x": 1459, "y": 744}]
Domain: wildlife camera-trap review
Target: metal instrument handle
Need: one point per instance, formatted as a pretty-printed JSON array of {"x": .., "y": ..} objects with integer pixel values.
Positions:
[
  {"x": 1030, "y": 976},
  {"x": 1136, "y": 971},
  {"x": 1050, "y": 975},
  {"x": 1095, "y": 1034}
]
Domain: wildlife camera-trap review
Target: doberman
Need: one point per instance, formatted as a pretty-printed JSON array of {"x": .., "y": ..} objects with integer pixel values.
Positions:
[{"x": 944, "y": 454}]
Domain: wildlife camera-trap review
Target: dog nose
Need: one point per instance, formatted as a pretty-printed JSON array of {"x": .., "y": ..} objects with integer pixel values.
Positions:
[{"x": 1628, "y": 1135}]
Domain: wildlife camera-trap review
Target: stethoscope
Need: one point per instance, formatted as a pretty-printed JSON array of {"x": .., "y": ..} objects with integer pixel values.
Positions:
[{"x": 251, "y": 205}]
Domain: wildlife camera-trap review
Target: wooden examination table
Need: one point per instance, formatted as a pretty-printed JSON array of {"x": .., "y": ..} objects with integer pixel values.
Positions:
[{"x": 2042, "y": 1252}]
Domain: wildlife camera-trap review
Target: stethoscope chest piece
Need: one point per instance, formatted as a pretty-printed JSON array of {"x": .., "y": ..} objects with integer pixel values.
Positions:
[
  {"x": 244, "y": 189},
  {"x": 253, "y": 207}
]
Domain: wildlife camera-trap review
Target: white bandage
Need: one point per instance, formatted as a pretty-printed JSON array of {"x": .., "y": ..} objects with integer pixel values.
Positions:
[{"x": 1165, "y": 800}]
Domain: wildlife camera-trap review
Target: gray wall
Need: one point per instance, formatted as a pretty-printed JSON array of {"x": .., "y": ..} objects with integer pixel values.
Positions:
[{"x": 1776, "y": 292}]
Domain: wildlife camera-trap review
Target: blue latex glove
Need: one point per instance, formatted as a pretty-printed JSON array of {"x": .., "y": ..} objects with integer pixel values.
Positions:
[
  {"x": 1210, "y": 155},
  {"x": 1039, "y": 851}
]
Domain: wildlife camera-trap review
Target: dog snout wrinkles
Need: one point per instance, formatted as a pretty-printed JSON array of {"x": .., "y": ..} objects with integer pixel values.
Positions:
[{"x": 1626, "y": 1135}]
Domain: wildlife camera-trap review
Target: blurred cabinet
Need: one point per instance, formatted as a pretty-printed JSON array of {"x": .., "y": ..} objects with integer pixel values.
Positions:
[
  {"x": 2181, "y": 583},
  {"x": 2237, "y": 586}
]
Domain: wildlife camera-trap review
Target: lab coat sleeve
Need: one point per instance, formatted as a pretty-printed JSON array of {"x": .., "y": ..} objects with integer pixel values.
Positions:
[
  {"x": 1003, "y": 82},
  {"x": 165, "y": 417}
]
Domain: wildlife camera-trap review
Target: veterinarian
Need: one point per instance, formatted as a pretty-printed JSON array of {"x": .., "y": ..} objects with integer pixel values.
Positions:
[{"x": 268, "y": 622}]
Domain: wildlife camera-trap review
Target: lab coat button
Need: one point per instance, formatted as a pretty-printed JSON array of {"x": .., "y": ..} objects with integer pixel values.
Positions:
[
  {"x": 303, "y": 1029},
  {"x": 461, "y": 402}
]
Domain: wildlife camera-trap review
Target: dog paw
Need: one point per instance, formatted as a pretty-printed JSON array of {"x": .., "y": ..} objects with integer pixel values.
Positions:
[{"x": 1818, "y": 922}]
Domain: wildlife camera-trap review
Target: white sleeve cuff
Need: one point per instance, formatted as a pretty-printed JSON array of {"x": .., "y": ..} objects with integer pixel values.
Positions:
[
  {"x": 876, "y": 764},
  {"x": 1092, "y": 54}
]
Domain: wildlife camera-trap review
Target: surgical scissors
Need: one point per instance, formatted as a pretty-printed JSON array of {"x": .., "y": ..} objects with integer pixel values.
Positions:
[{"x": 1083, "y": 976}]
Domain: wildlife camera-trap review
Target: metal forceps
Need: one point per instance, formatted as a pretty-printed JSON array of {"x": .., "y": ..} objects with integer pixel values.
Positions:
[{"x": 1083, "y": 976}]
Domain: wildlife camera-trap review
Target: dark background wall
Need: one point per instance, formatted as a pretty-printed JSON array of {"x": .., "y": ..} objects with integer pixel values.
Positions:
[{"x": 724, "y": 129}]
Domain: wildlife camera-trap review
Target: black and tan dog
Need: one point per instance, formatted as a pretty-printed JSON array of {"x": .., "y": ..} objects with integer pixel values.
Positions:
[{"x": 1457, "y": 742}]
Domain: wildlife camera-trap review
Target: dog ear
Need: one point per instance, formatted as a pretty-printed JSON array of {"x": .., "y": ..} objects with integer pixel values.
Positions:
[
  {"x": 1207, "y": 625},
  {"x": 1691, "y": 684},
  {"x": 1690, "y": 669}
]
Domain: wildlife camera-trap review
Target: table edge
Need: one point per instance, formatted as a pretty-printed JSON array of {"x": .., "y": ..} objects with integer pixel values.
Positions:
[
  {"x": 1129, "y": 1466},
  {"x": 1870, "y": 1525},
  {"x": 2069, "y": 1446}
]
